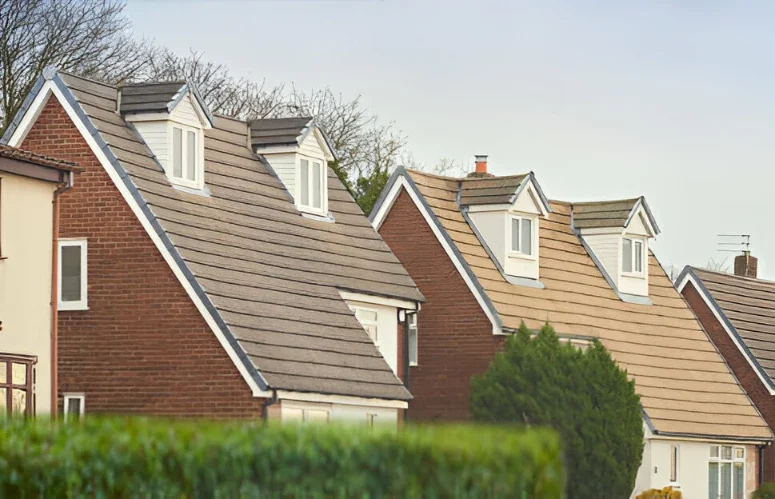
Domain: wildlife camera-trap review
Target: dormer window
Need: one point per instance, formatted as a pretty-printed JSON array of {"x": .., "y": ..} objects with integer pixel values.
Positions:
[
  {"x": 521, "y": 235},
  {"x": 171, "y": 119},
  {"x": 312, "y": 184},
  {"x": 632, "y": 256},
  {"x": 505, "y": 213},
  {"x": 186, "y": 161},
  {"x": 298, "y": 152}
]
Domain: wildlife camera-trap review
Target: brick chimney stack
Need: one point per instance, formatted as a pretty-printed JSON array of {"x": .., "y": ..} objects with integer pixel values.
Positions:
[
  {"x": 481, "y": 167},
  {"x": 746, "y": 265}
]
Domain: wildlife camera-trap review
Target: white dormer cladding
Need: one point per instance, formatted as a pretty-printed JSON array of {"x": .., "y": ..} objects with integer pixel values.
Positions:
[
  {"x": 509, "y": 229},
  {"x": 298, "y": 152},
  {"x": 619, "y": 240},
  {"x": 173, "y": 127}
]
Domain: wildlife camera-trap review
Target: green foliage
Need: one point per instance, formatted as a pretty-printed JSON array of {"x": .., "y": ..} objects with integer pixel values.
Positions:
[
  {"x": 664, "y": 493},
  {"x": 582, "y": 394},
  {"x": 766, "y": 491},
  {"x": 160, "y": 459},
  {"x": 368, "y": 189}
]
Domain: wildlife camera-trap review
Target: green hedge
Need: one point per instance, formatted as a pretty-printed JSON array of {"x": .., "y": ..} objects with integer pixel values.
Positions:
[{"x": 158, "y": 458}]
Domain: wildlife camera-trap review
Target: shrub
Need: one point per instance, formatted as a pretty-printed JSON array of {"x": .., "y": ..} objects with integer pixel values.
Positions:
[
  {"x": 581, "y": 393},
  {"x": 766, "y": 491},
  {"x": 664, "y": 493},
  {"x": 160, "y": 459}
]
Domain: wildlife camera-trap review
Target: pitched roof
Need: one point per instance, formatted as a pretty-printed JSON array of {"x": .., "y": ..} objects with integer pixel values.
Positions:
[
  {"x": 489, "y": 190},
  {"x": 618, "y": 213},
  {"x": 278, "y": 131},
  {"x": 155, "y": 97},
  {"x": 684, "y": 384},
  {"x": 37, "y": 159},
  {"x": 749, "y": 305},
  {"x": 268, "y": 276}
]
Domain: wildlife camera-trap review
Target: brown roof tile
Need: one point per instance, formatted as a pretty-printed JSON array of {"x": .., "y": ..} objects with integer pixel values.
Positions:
[
  {"x": 684, "y": 384},
  {"x": 37, "y": 159}
]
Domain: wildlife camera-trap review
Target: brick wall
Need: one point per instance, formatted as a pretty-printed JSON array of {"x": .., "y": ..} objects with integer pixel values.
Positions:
[
  {"x": 740, "y": 367},
  {"x": 142, "y": 347},
  {"x": 455, "y": 339}
]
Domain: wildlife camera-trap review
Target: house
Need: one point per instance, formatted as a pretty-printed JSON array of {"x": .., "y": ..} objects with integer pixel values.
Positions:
[
  {"x": 738, "y": 312},
  {"x": 491, "y": 252},
  {"x": 30, "y": 187},
  {"x": 216, "y": 278}
]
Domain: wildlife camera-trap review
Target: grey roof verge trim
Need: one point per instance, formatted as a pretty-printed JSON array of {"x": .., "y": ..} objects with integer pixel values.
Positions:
[
  {"x": 401, "y": 172},
  {"x": 14, "y": 124},
  {"x": 700, "y": 436},
  {"x": 517, "y": 281},
  {"x": 625, "y": 297},
  {"x": 652, "y": 220},
  {"x": 530, "y": 177},
  {"x": 689, "y": 271},
  {"x": 57, "y": 80},
  {"x": 190, "y": 87}
]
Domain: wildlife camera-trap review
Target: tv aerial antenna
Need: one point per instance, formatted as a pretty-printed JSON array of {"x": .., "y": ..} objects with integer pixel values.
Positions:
[{"x": 741, "y": 241}]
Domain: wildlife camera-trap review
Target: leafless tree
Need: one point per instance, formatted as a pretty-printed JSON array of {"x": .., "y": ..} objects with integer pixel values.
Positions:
[
  {"x": 87, "y": 37},
  {"x": 224, "y": 94},
  {"x": 717, "y": 266}
]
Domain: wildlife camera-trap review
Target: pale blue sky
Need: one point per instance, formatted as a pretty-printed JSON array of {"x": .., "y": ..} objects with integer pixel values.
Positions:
[{"x": 601, "y": 100}]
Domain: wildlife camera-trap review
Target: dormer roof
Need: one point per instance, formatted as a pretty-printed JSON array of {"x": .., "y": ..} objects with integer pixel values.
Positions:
[
  {"x": 161, "y": 97},
  {"x": 283, "y": 132},
  {"x": 614, "y": 214},
  {"x": 483, "y": 191}
]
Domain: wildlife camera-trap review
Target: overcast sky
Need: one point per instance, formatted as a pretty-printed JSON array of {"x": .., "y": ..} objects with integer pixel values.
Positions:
[{"x": 601, "y": 100}]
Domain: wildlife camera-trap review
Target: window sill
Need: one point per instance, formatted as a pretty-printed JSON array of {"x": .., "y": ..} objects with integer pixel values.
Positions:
[
  {"x": 71, "y": 308},
  {"x": 522, "y": 256},
  {"x": 635, "y": 275}
]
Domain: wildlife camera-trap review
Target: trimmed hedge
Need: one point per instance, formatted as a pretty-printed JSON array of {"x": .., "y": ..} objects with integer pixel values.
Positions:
[{"x": 157, "y": 458}]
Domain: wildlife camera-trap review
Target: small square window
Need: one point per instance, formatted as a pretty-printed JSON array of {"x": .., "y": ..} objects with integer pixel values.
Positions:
[
  {"x": 369, "y": 321},
  {"x": 72, "y": 275},
  {"x": 75, "y": 406}
]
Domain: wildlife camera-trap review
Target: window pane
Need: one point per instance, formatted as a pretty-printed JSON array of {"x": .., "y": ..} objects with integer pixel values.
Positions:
[
  {"x": 304, "y": 182},
  {"x": 73, "y": 407},
  {"x": 19, "y": 374},
  {"x": 739, "y": 453},
  {"x": 739, "y": 480},
  {"x": 714, "y": 451},
  {"x": 18, "y": 401},
  {"x": 726, "y": 480},
  {"x": 726, "y": 452},
  {"x": 71, "y": 273},
  {"x": 673, "y": 463},
  {"x": 526, "y": 241},
  {"x": 638, "y": 256},
  {"x": 3, "y": 371},
  {"x": 317, "y": 185},
  {"x": 627, "y": 255},
  {"x": 372, "y": 330},
  {"x": 3, "y": 402},
  {"x": 191, "y": 156},
  {"x": 177, "y": 152},
  {"x": 514, "y": 234},
  {"x": 713, "y": 480}
]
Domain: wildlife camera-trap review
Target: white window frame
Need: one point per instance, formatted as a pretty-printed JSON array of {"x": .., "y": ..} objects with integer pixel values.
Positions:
[
  {"x": 533, "y": 236},
  {"x": 81, "y": 397},
  {"x": 734, "y": 460},
  {"x": 633, "y": 260},
  {"x": 365, "y": 323},
  {"x": 198, "y": 182},
  {"x": 83, "y": 303},
  {"x": 412, "y": 325},
  {"x": 323, "y": 210}
]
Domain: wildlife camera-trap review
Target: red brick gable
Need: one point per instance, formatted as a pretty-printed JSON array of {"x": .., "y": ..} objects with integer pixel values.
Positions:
[
  {"x": 740, "y": 367},
  {"x": 455, "y": 339},
  {"x": 142, "y": 347}
]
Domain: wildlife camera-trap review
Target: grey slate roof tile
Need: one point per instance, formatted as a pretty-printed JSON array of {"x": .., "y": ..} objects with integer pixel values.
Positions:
[{"x": 272, "y": 275}]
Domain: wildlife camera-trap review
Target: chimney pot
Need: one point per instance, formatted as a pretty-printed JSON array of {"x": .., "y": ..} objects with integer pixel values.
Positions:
[
  {"x": 481, "y": 163},
  {"x": 746, "y": 265}
]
